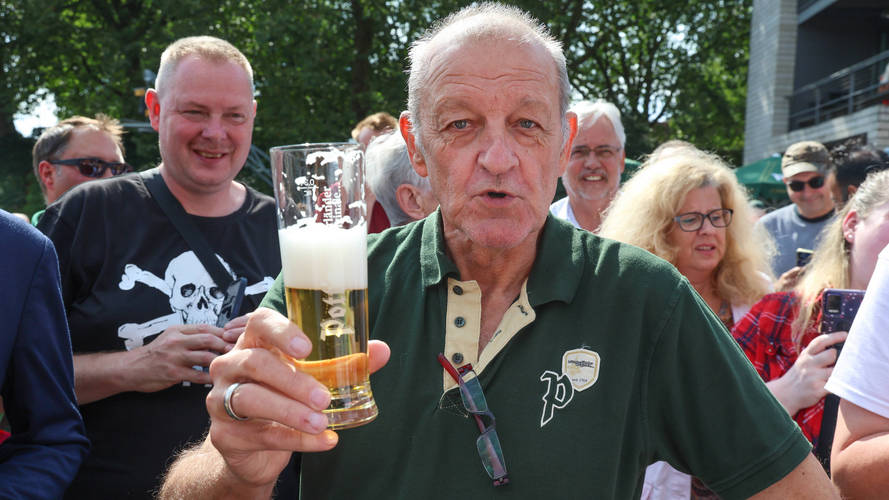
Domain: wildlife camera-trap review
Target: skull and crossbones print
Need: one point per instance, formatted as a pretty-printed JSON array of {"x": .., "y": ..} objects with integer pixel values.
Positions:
[{"x": 194, "y": 297}]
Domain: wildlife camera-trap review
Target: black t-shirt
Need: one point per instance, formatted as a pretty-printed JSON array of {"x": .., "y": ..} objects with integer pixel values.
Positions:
[{"x": 127, "y": 275}]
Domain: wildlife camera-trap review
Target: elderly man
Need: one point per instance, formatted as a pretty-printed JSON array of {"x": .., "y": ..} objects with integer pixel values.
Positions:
[
  {"x": 597, "y": 160},
  {"x": 596, "y": 356},
  {"x": 76, "y": 150},
  {"x": 143, "y": 310},
  {"x": 404, "y": 195}
]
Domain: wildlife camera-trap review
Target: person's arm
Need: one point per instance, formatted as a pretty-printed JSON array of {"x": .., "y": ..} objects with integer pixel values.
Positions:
[
  {"x": 806, "y": 482},
  {"x": 283, "y": 407},
  {"x": 166, "y": 361},
  {"x": 201, "y": 472},
  {"x": 48, "y": 441},
  {"x": 860, "y": 456},
  {"x": 803, "y": 384}
]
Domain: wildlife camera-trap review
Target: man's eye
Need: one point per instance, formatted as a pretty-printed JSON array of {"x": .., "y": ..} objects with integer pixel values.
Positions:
[
  {"x": 527, "y": 124},
  {"x": 460, "y": 124},
  {"x": 605, "y": 153},
  {"x": 580, "y": 153}
]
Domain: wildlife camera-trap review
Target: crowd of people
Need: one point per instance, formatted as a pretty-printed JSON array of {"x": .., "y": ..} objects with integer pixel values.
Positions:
[{"x": 608, "y": 329}]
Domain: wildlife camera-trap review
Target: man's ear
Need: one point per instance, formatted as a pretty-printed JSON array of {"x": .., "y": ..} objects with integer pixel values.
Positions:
[
  {"x": 408, "y": 198},
  {"x": 153, "y": 104},
  {"x": 46, "y": 171},
  {"x": 413, "y": 152}
]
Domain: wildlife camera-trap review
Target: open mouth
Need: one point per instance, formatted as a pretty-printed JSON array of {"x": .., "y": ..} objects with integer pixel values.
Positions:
[
  {"x": 594, "y": 177},
  {"x": 495, "y": 194},
  {"x": 705, "y": 248}
]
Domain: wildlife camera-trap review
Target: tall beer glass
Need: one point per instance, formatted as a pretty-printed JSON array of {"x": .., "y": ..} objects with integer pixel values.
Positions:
[{"x": 322, "y": 230}]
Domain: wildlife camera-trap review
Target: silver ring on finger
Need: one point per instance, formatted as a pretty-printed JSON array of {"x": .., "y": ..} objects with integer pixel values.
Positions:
[{"x": 227, "y": 402}]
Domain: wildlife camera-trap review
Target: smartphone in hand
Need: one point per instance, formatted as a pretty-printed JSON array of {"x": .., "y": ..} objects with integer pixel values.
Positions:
[
  {"x": 803, "y": 256},
  {"x": 838, "y": 309},
  {"x": 231, "y": 304}
]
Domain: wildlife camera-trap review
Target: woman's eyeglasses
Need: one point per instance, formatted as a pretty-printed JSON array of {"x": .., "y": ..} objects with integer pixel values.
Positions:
[
  {"x": 692, "y": 221},
  {"x": 94, "y": 167},
  {"x": 488, "y": 444},
  {"x": 814, "y": 183}
]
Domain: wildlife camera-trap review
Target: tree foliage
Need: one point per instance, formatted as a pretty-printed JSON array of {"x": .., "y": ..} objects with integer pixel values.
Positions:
[{"x": 676, "y": 70}]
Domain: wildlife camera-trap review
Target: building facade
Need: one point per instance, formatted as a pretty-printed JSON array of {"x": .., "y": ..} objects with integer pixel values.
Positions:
[{"x": 815, "y": 74}]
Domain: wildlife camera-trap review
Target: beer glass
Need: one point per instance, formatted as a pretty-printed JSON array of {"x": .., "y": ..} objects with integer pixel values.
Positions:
[{"x": 322, "y": 230}]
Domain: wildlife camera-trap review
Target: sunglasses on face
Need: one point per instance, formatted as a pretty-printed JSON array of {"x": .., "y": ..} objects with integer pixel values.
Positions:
[
  {"x": 814, "y": 183},
  {"x": 94, "y": 167}
]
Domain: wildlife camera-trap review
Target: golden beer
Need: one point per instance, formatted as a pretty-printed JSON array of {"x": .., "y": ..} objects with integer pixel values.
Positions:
[
  {"x": 336, "y": 323},
  {"x": 325, "y": 280}
]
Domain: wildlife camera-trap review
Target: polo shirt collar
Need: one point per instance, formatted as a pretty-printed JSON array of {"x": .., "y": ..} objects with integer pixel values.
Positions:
[
  {"x": 435, "y": 265},
  {"x": 555, "y": 275},
  {"x": 560, "y": 262}
]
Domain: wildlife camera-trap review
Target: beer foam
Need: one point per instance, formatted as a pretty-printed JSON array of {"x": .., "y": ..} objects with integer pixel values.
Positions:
[{"x": 324, "y": 257}]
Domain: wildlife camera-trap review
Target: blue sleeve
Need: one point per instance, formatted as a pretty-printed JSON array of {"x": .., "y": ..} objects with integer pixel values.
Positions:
[{"x": 48, "y": 441}]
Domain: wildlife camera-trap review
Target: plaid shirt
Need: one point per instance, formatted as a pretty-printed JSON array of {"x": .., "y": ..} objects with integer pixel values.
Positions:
[{"x": 765, "y": 336}]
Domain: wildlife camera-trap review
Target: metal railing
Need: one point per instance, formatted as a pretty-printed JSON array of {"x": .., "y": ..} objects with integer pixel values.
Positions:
[{"x": 844, "y": 92}]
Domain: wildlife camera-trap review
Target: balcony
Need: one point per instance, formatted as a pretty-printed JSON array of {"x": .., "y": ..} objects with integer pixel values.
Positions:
[{"x": 844, "y": 92}]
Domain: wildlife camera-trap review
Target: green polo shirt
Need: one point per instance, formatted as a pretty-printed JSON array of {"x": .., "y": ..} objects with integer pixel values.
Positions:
[{"x": 607, "y": 361}]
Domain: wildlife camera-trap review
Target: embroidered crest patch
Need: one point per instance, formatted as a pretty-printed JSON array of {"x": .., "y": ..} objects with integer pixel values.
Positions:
[
  {"x": 582, "y": 367},
  {"x": 580, "y": 370}
]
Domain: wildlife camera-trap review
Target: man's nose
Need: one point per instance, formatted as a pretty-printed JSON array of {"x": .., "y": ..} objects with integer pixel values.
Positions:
[
  {"x": 498, "y": 153},
  {"x": 214, "y": 128}
]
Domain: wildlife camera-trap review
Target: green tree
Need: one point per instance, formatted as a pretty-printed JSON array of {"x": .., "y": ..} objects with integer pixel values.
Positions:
[{"x": 675, "y": 69}]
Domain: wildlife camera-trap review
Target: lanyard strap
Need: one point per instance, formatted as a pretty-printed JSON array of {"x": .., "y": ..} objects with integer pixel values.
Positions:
[{"x": 190, "y": 233}]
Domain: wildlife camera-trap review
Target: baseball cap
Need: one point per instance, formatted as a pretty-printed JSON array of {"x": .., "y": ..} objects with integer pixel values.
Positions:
[{"x": 806, "y": 156}]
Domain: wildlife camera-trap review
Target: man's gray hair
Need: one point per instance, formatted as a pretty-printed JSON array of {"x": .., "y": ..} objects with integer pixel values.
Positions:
[
  {"x": 388, "y": 166},
  {"x": 206, "y": 47},
  {"x": 497, "y": 22},
  {"x": 589, "y": 112}
]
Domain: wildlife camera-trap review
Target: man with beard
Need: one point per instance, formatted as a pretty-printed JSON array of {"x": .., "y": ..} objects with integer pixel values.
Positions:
[{"x": 592, "y": 176}]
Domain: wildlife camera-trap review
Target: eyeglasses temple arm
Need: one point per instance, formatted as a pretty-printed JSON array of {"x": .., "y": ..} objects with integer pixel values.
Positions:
[{"x": 443, "y": 361}]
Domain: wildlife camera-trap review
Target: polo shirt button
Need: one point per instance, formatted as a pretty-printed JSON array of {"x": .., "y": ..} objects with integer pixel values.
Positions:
[
  {"x": 457, "y": 358},
  {"x": 459, "y": 321},
  {"x": 770, "y": 350},
  {"x": 458, "y": 290}
]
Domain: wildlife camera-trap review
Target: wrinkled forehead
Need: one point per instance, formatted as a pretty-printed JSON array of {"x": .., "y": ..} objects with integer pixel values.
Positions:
[{"x": 470, "y": 61}]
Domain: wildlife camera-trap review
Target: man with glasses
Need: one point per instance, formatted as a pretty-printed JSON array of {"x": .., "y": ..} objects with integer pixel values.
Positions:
[
  {"x": 592, "y": 176},
  {"x": 146, "y": 317},
  {"x": 595, "y": 357},
  {"x": 804, "y": 166},
  {"x": 77, "y": 150}
]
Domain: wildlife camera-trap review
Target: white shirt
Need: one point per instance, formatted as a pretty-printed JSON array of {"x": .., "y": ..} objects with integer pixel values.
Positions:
[
  {"x": 562, "y": 209},
  {"x": 861, "y": 375}
]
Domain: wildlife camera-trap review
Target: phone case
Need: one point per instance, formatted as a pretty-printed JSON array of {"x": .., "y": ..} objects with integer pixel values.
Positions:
[{"x": 838, "y": 309}]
